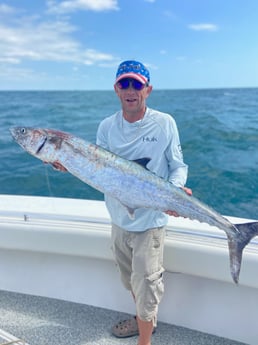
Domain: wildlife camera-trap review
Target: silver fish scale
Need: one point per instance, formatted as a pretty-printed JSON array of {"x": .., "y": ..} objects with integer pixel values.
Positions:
[{"x": 133, "y": 185}]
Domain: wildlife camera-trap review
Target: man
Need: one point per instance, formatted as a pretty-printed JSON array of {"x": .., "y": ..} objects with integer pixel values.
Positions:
[{"x": 136, "y": 132}]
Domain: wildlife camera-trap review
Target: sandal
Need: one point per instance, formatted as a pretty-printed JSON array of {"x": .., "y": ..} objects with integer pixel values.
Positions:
[{"x": 127, "y": 328}]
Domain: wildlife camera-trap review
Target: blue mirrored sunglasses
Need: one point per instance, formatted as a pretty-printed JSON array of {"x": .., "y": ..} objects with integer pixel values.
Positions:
[{"x": 127, "y": 82}]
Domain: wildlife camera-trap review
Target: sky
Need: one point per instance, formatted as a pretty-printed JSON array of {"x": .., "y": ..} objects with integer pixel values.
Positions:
[{"x": 78, "y": 44}]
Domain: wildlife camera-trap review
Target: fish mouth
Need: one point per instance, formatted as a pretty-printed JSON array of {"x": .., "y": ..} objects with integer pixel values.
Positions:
[{"x": 14, "y": 132}]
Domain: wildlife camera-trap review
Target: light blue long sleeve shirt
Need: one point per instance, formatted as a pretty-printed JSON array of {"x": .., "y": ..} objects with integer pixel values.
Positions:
[{"x": 155, "y": 137}]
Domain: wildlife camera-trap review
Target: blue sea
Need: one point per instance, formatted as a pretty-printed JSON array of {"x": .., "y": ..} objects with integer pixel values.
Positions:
[{"x": 218, "y": 130}]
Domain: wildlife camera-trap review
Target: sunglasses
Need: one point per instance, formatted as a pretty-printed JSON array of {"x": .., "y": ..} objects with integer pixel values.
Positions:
[{"x": 125, "y": 83}]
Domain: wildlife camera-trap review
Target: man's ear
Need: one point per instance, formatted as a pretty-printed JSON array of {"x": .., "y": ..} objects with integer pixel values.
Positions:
[
  {"x": 149, "y": 89},
  {"x": 116, "y": 89}
]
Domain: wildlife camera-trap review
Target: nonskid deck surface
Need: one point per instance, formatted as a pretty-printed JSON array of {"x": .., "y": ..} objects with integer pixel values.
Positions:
[{"x": 33, "y": 320}]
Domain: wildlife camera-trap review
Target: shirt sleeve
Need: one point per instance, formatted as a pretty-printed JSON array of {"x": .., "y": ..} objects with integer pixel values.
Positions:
[
  {"x": 101, "y": 138},
  {"x": 177, "y": 168}
]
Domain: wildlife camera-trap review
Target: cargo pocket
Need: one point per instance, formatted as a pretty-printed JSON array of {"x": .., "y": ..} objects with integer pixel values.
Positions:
[{"x": 155, "y": 288}]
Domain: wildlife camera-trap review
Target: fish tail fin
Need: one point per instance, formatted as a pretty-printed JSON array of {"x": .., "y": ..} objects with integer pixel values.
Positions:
[{"x": 237, "y": 242}]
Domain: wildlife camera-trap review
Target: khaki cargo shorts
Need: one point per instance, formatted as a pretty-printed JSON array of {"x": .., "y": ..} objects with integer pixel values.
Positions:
[{"x": 139, "y": 256}]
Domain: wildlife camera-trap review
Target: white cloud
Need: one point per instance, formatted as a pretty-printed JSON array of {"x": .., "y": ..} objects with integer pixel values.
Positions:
[
  {"x": 203, "y": 27},
  {"x": 169, "y": 14},
  {"x": 9, "y": 60},
  {"x": 5, "y": 9},
  {"x": 37, "y": 38},
  {"x": 46, "y": 41},
  {"x": 17, "y": 73},
  {"x": 181, "y": 58},
  {"x": 69, "y": 6}
]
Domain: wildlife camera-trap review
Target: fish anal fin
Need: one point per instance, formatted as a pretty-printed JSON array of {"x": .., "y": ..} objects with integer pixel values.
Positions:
[{"x": 130, "y": 211}]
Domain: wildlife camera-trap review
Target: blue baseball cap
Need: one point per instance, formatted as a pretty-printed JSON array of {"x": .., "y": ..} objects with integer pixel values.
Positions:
[{"x": 133, "y": 69}]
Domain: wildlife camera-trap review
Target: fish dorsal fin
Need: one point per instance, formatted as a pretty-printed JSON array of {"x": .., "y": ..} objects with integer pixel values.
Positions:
[{"x": 143, "y": 162}]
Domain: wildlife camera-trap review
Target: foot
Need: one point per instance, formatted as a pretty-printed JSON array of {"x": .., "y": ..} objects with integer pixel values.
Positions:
[{"x": 126, "y": 328}]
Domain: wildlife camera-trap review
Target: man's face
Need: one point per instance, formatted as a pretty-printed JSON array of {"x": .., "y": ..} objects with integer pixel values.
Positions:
[{"x": 132, "y": 99}]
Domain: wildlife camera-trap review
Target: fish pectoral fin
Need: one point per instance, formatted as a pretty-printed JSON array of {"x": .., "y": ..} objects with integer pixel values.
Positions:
[{"x": 58, "y": 166}]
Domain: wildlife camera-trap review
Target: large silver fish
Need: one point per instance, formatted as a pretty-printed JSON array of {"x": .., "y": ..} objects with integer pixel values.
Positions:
[{"x": 129, "y": 182}]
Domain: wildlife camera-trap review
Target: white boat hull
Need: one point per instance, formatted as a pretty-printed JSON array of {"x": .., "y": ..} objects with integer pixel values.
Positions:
[{"x": 61, "y": 248}]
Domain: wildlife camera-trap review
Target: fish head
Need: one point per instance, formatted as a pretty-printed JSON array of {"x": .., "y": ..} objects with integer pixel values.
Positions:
[
  {"x": 41, "y": 143},
  {"x": 32, "y": 140}
]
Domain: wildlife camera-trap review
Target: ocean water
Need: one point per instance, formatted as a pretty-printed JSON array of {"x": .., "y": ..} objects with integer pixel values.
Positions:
[{"x": 218, "y": 130}]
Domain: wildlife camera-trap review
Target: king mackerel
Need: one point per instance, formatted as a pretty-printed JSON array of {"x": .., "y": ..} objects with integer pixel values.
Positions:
[{"x": 129, "y": 182}]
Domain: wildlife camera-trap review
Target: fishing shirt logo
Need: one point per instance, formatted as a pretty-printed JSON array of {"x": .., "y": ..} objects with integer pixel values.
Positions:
[{"x": 147, "y": 139}]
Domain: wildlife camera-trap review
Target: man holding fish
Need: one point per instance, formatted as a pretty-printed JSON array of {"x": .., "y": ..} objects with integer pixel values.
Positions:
[
  {"x": 138, "y": 165},
  {"x": 150, "y": 138}
]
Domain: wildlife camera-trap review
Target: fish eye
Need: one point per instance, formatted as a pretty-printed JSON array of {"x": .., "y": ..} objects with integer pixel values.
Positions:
[{"x": 23, "y": 130}]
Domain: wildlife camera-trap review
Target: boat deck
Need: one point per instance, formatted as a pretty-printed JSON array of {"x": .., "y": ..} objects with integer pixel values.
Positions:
[{"x": 33, "y": 320}]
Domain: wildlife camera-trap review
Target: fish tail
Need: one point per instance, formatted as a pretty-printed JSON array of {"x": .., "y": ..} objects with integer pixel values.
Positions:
[{"x": 237, "y": 242}]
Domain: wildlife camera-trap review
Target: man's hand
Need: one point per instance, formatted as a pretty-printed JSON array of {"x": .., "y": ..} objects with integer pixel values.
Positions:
[
  {"x": 188, "y": 190},
  {"x": 174, "y": 213}
]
